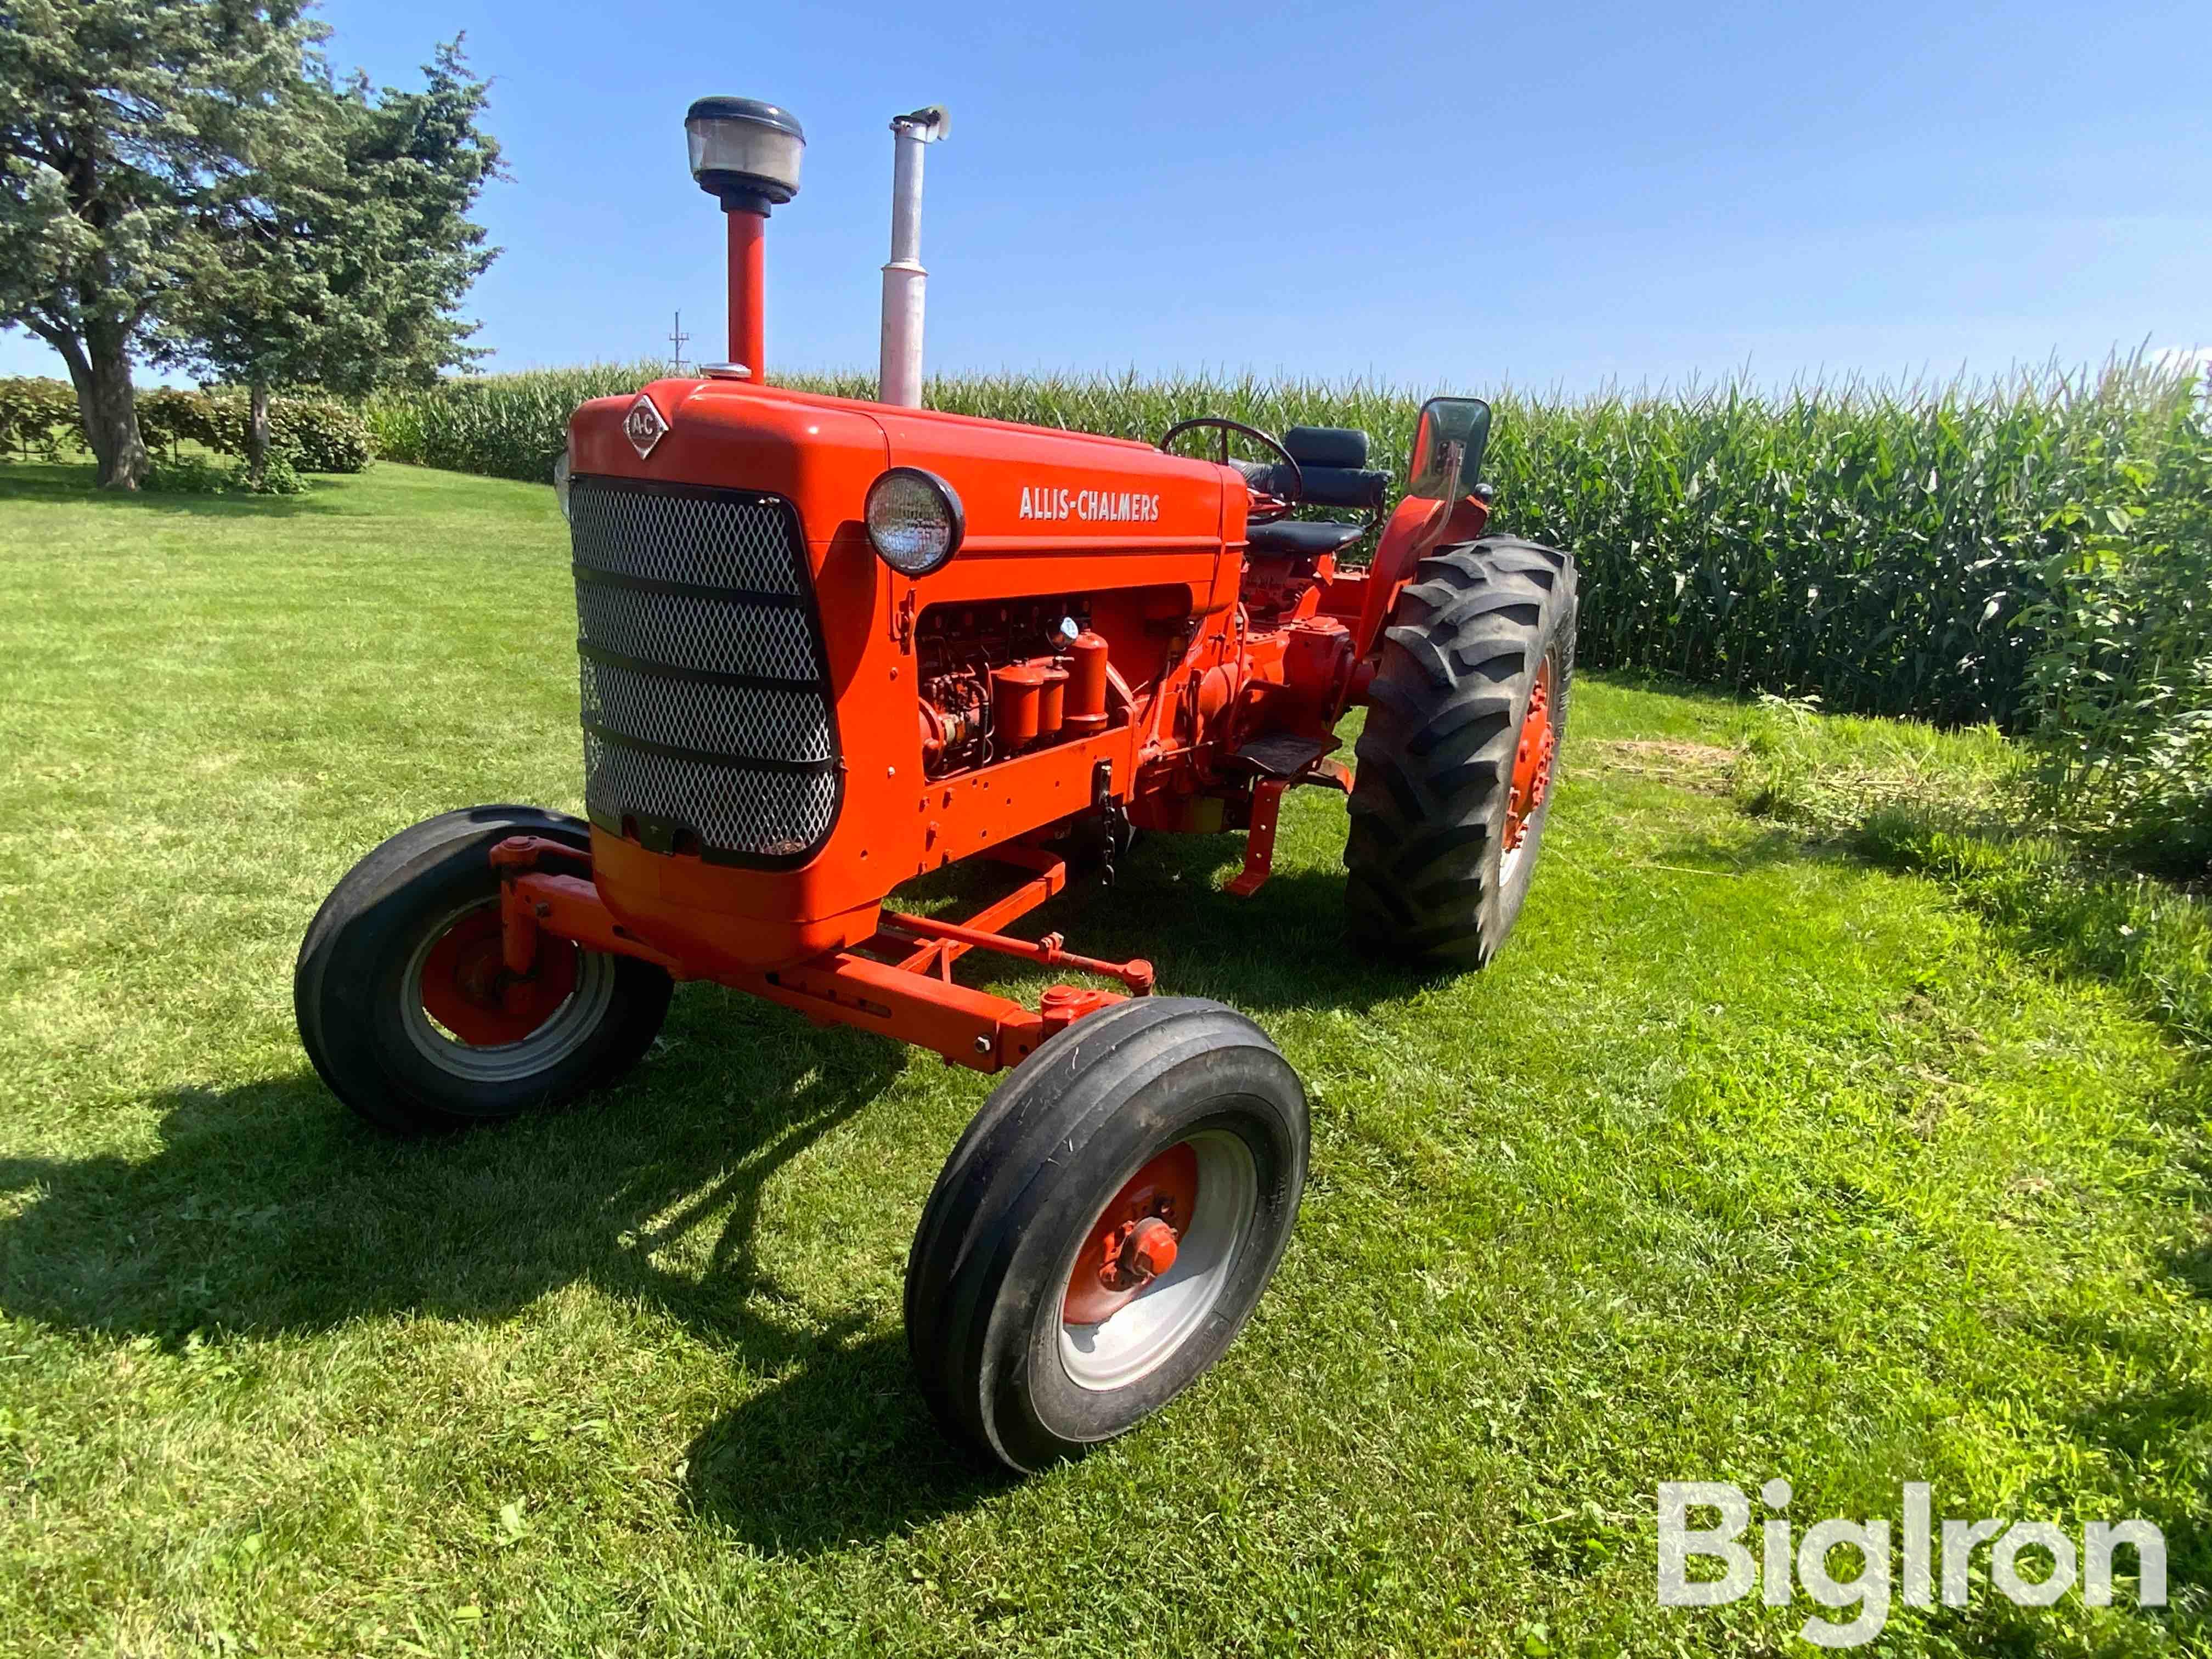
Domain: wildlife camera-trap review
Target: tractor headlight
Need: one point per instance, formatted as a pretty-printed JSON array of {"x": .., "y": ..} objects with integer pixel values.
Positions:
[
  {"x": 561, "y": 469},
  {"x": 915, "y": 520}
]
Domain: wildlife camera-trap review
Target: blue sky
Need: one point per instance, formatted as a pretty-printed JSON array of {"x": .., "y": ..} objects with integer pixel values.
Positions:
[{"x": 1448, "y": 197}]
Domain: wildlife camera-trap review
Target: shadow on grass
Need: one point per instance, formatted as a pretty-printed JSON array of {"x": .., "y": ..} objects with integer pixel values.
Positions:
[
  {"x": 2193, "y": 1268},
  {"x": 844, "y": 1447},
  {"x": 1283, "y": 948},
  {"x": 1713, "y": 854},
  {"x": 2154, "y": 1401},
  {"x": 32, "y": 481},
  {"x": 2137, "y": 1432},
  {"x": 268, "y": 1209}
]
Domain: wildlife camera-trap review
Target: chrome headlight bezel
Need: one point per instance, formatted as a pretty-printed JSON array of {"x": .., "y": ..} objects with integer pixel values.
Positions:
[
  {"x": 915, "y": 520},
  {"x": 563, "y": 470}
]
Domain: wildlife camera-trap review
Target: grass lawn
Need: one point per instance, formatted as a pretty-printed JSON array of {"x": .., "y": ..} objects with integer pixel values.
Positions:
[{"x": 1744, "y": 1160}]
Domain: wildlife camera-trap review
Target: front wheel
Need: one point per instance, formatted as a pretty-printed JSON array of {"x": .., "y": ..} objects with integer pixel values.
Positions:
[
  {"x": 1105, "y": 1228},
  {"x": 404, "y": 1003}
]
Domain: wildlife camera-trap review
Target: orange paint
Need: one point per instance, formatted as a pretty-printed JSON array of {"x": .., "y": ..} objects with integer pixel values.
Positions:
[{"x": 966, "y": 720}]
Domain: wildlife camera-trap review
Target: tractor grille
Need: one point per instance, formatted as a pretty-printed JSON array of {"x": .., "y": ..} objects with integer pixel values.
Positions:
[{"x": 708, "y": 724}]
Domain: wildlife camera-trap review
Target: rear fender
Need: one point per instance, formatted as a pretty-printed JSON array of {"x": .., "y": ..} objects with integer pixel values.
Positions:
[
  {"x": 1439, "y": 507},
  {"x": 1418, "y": 524}
]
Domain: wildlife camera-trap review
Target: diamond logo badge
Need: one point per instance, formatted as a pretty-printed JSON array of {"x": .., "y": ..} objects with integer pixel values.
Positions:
[{"x": 644, "y": 426}]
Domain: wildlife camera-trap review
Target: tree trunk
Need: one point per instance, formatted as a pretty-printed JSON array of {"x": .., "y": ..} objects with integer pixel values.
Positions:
[
  {"x": 257, "y": 430},
  {"x": 100, "y": 368}
]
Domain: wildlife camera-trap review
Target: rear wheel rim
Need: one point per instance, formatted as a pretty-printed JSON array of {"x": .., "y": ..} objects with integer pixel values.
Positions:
[
  {"x": 1216, "y": 1175},
  {"x": 458, "y": 1016},
  {"x": 1533, "y": 755}
]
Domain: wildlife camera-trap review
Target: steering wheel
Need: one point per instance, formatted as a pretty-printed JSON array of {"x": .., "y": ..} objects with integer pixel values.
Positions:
[{"x": 1268, "y": 504}]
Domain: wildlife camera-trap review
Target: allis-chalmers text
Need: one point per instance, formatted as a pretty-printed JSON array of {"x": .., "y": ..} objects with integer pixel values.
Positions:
[{"x": 1097, "y": 506}]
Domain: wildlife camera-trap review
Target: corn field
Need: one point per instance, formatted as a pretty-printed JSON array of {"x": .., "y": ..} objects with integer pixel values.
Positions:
[{"x": 1890, "y": 550}]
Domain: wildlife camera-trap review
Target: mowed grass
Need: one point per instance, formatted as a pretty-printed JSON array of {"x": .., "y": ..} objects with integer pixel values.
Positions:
[{"x": 1744, "y": 1160}]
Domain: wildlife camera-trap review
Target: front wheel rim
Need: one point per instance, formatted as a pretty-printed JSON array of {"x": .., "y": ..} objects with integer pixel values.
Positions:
[
  {"x": 557, "y": 1016},
  {"x": 1142, "y": 1332}
]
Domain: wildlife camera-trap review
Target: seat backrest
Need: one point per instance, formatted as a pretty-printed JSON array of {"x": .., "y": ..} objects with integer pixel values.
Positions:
[
  {"x": 1332, "y": 462},
  {"x": 1327, "y": 446}
]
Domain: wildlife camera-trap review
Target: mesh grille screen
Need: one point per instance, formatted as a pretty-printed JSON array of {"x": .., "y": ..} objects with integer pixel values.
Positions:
[
  {"x": 706, "y": 709},
  {"x": 711, "y": 541},
  {"x": 685, "y": 630},
  {"x": 764, "y": 723}
]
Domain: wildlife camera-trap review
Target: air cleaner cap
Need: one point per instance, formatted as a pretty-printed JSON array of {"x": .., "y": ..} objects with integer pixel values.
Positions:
[{"x": 746, "y": 152}]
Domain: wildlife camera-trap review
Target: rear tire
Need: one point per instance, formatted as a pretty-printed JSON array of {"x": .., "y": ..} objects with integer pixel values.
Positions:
[
  {"x": 1473, "y": 635},
  {"x": 1174, "y": 1109},
  {"x": 380, "y": 988}
]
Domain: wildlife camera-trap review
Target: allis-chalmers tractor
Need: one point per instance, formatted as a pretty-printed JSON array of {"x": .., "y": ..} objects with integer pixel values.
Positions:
[{"x": 828, "y": 646}]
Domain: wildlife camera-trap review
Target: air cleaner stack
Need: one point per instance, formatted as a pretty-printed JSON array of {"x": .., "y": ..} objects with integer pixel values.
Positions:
[{"x": 745, "y": 154}]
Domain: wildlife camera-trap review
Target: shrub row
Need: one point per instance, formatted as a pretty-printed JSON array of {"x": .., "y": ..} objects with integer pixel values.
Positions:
[
  {"x": 37, "y": 416},
  {"x": 313, "y": 435},
  {"x": 196, "y": 474}
]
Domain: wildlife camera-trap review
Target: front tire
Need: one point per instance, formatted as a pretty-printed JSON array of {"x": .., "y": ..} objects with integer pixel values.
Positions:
[
  {"x": 1468, "y": 709},
  {"x": 1046, "y": 1309},
  {"x": 398, "y": 997}
]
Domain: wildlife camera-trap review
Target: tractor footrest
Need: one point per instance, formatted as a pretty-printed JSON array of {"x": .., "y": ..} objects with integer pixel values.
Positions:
[{"x": 1283, "y": 754}]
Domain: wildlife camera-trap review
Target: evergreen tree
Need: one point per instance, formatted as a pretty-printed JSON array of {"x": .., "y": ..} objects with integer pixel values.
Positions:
[{"x": 339, "y": 259}]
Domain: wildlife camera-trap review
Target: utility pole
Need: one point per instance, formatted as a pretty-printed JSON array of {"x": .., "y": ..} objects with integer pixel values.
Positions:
[{"x": 677, "y": 336}]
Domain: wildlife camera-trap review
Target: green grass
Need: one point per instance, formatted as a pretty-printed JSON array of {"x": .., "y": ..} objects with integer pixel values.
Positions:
[
  {"x": 1962, "y": 806},
  {"x": 1745, "y": 1158}
]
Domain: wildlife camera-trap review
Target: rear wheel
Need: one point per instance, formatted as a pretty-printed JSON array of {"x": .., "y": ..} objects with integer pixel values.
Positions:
[
  {"x": 406, "y": 1009},
  {"x": 1465, "y": 715},
  {"x": 1105, "y": 1227}
]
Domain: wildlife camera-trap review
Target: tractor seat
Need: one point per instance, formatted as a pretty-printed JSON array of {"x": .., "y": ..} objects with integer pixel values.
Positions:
[
  {"x": 1333, "y": 468},
  {"x": 1303, "y": 538}
]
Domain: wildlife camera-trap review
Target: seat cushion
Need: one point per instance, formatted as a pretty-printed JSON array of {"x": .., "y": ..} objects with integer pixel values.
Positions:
[
  {"x": 1327, "y": 446},
  {"x": 1301, "y": 538}
]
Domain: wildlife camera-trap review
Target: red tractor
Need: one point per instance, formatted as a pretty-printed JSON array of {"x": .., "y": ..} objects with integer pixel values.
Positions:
[{"x": 828, "y": 646}]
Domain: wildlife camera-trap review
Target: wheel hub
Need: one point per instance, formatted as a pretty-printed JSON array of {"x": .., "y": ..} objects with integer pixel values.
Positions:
[
  {"x": 1138, "y": 1253},
  {"x": 1135, "y": 1238},
  {"x": 467, "y": 989},
  {"x": 1532, "y": 759}
]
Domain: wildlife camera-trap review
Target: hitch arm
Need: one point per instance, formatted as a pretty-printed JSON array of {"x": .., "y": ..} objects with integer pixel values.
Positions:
[{"x": 1136, "y": 974}]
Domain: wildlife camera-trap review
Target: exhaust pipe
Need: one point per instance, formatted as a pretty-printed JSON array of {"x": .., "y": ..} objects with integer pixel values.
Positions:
[{"x": 898, "y": 377}]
